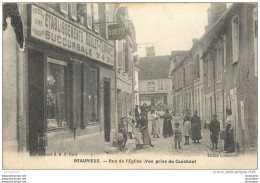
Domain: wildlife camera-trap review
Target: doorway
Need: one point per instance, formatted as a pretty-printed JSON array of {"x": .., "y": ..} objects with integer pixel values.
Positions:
[
  {"x": 107, "y": 108},
  {"x": 36, "y": 102}
]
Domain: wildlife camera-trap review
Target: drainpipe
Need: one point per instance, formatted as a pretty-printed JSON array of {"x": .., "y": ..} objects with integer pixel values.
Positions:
[{"x": 20, "y": 75}]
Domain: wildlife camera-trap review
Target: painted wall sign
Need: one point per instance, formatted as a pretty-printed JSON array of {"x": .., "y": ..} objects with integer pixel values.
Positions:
[{"x": 52, "y": 29}]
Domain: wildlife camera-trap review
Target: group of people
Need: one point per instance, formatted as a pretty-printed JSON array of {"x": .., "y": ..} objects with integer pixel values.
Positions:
[
  {"x": 138, "y": 129},
  {"x": 229, "y": 141}
]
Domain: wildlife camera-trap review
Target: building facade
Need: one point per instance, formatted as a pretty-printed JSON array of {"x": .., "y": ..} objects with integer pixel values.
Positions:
[
  {"x": 230, "y": 65},
  {"x": 125, "y": 67},
  {"x": 155, "y": 86},
  {"x": 59, "y": 78},
  {"x": 224, "y": 72}
]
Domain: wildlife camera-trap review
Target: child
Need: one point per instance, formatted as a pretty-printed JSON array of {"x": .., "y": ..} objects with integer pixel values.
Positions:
[
  {"x": 186, "y": 130},
  {"x": 138, "y": 139},
  {"x": 177, "y": 135}
]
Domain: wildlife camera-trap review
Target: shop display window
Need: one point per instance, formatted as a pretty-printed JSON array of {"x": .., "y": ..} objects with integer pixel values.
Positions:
[
  {"x": 90, "y": 95},
  {"x": 56, "y": 94}
]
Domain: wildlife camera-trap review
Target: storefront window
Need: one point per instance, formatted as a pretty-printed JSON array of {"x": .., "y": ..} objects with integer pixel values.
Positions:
[
  {"x": 56, "y": 94},
  {"x": 90, "y": 96}
]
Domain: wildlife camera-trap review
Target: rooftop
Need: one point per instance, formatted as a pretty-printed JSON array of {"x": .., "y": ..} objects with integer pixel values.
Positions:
[{"x": 156, "y": 67}]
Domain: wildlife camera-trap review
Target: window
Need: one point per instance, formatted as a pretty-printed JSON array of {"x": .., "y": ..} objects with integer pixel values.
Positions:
[
  {"x": 69, "y": 9},
  {"x": 90, "y": 96},
  {"x": 120, "y": 54},
  {"x": 225, "y": 50},
  {"x": 160, "y": 85},
  {"x": 151, "y": 86},
  {"x": 197, "y": 67},
  {"x": 219, "y": 103},
  {"x": 82, "y": 14},
  {"x": 76, "y": 94},
  {"x": 89, "y": 16},
  {"x": 64, "y": 8},
  {"x": 95, "y": 17},
  {"x": 56, "y": 94},
  {"x": 208, "y": 71},
  {"x": 107, "y": 9},
  {"x": 73, "y": 11},
  {"x": 235, "y": 38},
  {"x": 255, "y": 28},
  {"x": 219, "y": 64}
]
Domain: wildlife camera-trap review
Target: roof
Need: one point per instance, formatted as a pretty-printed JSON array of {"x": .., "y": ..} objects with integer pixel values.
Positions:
[{"x": 156, "y": 67}]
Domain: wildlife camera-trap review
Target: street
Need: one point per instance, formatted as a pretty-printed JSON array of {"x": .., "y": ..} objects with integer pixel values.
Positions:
[{"x": 166, "y": 146}]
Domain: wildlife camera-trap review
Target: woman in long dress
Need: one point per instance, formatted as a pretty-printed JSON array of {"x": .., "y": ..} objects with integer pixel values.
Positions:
[
  {"x": 142, "y": 123},
  {"x": 167, "y": 124},
  {"x": 229, "y": 143},
  {"x": 155, "y": 124}
]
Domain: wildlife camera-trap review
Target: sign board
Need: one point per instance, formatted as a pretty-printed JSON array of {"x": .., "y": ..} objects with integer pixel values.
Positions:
[
  {"x": 150, "y": 51},
  {"x": 53, "y": 30},
  {"x": 117, "y": 31}
]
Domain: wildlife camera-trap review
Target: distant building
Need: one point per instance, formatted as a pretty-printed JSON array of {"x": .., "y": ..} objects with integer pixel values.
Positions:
[{"x": 155, "y": 86}]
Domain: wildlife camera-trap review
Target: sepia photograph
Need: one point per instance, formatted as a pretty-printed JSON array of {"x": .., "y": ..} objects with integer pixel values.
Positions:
[{"x": 89, "y": 85}]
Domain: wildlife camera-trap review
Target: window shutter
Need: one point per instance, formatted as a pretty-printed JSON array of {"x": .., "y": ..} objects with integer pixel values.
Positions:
[
  {"x": 73, "y": 11},
  {"x": 107, "y": 9},
  {"x": 95, "y": 17},
  {"x": 235, "y": 38},
  {"x": 120, "y": 55},
  {"x": 64, "y": 8},
  {"x": 127, "y": 64},
  {"x": 89, "y": 16}
]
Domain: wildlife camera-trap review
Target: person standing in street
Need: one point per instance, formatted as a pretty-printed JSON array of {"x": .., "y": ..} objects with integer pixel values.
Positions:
[
  {"x": 142, "y": 123},
  {"x": 130, "y": 124},
  {"x": 195, "y": 127},
  {"x": 155, "y": 124},
  {"x": 186, "y": 130},
  {"x": 229, "y": 143},
  {"x": 167, "y": 124},
  {"x": 137, "y": 114},
  {"x": 214, "y": 128},
  {"x": 122, "y": 128},
  {"x": 177, "y": 135}
]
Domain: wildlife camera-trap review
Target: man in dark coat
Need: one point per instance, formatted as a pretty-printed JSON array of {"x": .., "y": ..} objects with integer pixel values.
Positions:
[
  {"x": 214, "y": 128},
  {"x": 195, "y": 128},
  {"x": 136, "y": 113}
]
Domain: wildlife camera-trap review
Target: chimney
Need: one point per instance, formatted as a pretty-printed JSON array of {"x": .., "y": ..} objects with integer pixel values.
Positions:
[
  {"x": 194, "y": 41},
  {"x": 214, "y": 12}
]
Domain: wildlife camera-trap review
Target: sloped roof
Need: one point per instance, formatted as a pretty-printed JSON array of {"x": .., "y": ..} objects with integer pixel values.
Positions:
[{"x": 156, "y": 67}]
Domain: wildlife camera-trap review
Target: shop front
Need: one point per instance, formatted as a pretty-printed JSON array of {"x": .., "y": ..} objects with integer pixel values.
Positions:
[{"x": 70, "y": 84}]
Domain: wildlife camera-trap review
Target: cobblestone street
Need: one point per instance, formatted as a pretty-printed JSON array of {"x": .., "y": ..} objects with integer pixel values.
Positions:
[{"x": 166, "y": 146}]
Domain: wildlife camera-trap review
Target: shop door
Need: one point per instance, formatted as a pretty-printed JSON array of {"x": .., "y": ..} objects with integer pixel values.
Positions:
[
  {"x": 107, "y": 111},
  {"x": 36, "y": 102}
]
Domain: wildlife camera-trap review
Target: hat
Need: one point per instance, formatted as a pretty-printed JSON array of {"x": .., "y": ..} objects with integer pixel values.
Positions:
[{"x": 214, "y": 115}]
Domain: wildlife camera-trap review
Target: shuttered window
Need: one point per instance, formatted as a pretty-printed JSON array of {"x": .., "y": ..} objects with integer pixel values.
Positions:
[
  {"x": 73, "y": 11},
  {"x": 64, "y": 8},
  {"x": 120, "y": 54},
  {"x": 95, "y": 17},
  {"x": 235, "y": 38},
  {"x": 107, "y": 9},
  {"x": 89, "y": 16}
]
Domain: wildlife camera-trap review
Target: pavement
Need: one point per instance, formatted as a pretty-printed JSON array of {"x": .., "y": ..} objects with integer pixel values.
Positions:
[{"x": 167, "y": 146}]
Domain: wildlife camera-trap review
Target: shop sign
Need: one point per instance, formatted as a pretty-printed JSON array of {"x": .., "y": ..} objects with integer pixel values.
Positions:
[
  {"x": 52, "y": 29},
  {"x": 117, "y": 31}
]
